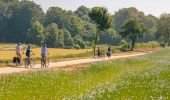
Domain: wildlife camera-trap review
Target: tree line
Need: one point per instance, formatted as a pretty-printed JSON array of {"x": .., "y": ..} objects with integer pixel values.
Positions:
[{"x": 24, "y": 21}]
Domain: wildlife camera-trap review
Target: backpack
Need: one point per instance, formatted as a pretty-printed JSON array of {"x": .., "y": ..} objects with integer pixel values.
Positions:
[{"x": 14, "y": 59}]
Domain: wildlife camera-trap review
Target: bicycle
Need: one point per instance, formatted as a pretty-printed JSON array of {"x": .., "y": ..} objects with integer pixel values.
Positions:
[
  {"x": 108, "y": 54},
  {"x": 29, "y": 62},
  {"x": 17, "y": 61},
  {"x": 44, "y": 62}
]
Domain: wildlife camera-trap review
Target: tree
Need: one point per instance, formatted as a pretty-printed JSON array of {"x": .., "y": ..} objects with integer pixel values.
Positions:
[
  {"x": 125, "y": 14},
  {"x": 68, "y": 40},
  {"x": 60, "y": 42},
  {"x": 8, "y": 1},
  {"x": 131, "y": 30},
  {"x": 108, "y": 37},
  {"x": 78, "y": 41},
  {"x": 52, "y": 35},
  {"x": 102, "y": 19},
  {"x": 36, "y": 34},
  {"x": 23, "y": 14},
  {"x": 163, "y": 28},
  {"x": 65, "y": 19},
  {"x": 82, "y": 12}
]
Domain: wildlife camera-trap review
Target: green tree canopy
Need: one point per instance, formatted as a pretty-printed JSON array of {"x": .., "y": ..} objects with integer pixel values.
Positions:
[
  {"x": 163, "y": 28},
  {"x": 131, "y": 30},
  {"x": 36, "y": 34}
]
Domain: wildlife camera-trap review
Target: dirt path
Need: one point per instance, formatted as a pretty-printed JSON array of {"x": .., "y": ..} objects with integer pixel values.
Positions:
[{"x": 9, "y": 70}]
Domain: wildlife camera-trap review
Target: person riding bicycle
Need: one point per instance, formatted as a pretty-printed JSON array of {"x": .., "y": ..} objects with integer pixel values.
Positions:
[
  {"x": 19, "y": 51},
  {"x": 28, "y": 52},
  {"x": 98, "y": 52},
  {"x": 44, "y": 52},
  {"x": 109, "y": 52}
]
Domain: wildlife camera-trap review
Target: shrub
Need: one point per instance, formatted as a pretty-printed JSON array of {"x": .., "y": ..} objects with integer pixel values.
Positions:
[
  {"x": 124, "y": 45},
  {"x": 76, "y": 46}
]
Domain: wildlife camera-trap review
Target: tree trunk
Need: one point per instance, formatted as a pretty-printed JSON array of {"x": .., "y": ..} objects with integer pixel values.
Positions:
[
  {"x": 133, "y": 44},
  {"x": 94, "y": 50},
  {"x": 95, "y": 42},
  {"x": 164, "y": 41}
]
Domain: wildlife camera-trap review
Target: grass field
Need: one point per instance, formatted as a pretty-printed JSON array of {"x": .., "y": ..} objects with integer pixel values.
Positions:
[{"x": 146, "y": 77}]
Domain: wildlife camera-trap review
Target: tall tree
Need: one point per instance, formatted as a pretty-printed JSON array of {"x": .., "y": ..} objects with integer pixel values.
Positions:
[
  {"x": 131, "y": 30},
  {"x": 36, "y": 34},
  {"x": 83, "y": 12},
  {"x": 125, "y": 14},
  {"x": 102, "y": 19},
  {"x": 68, "y": 40},
  {"x": 64, "y": 19},
  {"x": 51, "y": 35},
  {"x": 24, "y": 13},
  {"x": 163, "y": 28}
]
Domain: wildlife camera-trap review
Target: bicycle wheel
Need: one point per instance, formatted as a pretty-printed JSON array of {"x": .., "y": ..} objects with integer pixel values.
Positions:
[
  {"x": 42, "y": 63},
  {"x": 32, "y": 63},
  {"x": 26, "y": 62},
  {"x": 47, "y": 63}
]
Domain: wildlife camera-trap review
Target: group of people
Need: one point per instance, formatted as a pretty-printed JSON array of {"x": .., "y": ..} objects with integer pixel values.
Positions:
[
  {"x": 29, "y": 52},
  {"x": 108, "y": 52},
  {"x": 44, "y": 52}
]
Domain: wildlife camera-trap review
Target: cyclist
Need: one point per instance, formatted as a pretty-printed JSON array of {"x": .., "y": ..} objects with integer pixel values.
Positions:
[
  {"x": 28, "y": 53},
  {"x": 44, "y": 52},
  {"x": 109, "y": 52},
  {"x": 19, "y": 50},
  {"x": 99, "y": 52}
]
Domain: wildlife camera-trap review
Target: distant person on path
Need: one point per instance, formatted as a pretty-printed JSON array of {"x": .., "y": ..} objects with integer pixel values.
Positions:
[
  {"x": 44, "y": 52},
  {"x": 19, "y": 50},
  {"x": 109, "y": 52},
  {"x": 99, "y": 52}
]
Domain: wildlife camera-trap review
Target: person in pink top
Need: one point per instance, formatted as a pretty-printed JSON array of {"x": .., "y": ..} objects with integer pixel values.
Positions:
[{"x": 19, "y": 50}]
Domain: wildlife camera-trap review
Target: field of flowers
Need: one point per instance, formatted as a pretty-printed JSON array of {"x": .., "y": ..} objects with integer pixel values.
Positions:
[{"x": 145, "y": 77}]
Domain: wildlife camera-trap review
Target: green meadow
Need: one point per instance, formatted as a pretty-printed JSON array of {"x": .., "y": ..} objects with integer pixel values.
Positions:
[{"x": 144, "y": 77}]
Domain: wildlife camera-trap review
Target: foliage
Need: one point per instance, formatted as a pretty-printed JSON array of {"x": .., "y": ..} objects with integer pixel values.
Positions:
[
  {"x": 17, "y": 18},
  {"x": 163, "y": 29},
  {"x": 124, "y": 45},
  {"x": 36, "y": 34},
  {"x": 131, "y": 30},
  {"x": 149, "y": 21},
  {"x": 78, "y": 41}
]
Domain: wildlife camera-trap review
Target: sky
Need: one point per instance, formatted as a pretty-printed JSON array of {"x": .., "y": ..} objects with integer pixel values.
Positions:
[{"x": 154, "y": 7}]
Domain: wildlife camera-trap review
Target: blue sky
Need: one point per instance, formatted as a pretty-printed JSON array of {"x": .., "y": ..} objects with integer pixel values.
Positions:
[{"x": 155, "y": 7}]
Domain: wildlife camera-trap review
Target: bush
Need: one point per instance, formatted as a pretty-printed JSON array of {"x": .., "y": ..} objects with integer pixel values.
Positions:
[
  {"x": 76, "y": 46},
  {"x": 124, "y": 45}
]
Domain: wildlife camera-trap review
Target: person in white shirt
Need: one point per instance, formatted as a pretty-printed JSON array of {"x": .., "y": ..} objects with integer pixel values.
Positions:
[{"x": 19, "y": 50}]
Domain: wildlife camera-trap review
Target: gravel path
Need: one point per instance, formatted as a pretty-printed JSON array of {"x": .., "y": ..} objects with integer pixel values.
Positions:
[{"x": 9, "y": 70}]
